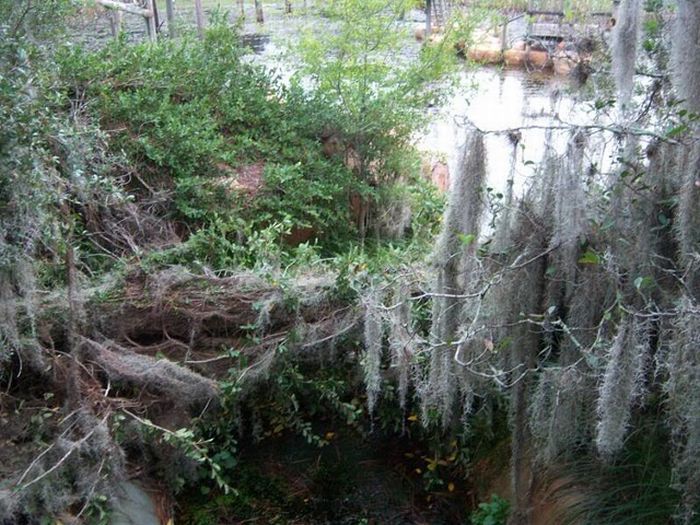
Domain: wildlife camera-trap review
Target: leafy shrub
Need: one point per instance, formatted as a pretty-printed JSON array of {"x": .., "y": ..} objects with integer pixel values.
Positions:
[
  {"x": 494, "y": 512},
  {"x": 191, "y": 116}
]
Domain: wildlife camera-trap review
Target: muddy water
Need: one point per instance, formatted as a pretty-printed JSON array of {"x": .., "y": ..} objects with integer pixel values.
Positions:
[{"x": 495, "y": 100}]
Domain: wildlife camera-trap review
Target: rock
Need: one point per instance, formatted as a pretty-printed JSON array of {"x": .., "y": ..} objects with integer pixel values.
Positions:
[
  {"x": 514, "y": 57},
  {"x": 485, "y": 55},
  {"x": 563, "y": 65},
  {"x": 538, "y": 59}
]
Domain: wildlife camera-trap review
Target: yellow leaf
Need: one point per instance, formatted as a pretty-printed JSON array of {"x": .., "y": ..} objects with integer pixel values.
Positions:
[
  {"x": 419, "y": 471},
  {"x": 451, "y": 486},
  {"x": 413, "y": 417},
  {"x": 330, "y": 435}
]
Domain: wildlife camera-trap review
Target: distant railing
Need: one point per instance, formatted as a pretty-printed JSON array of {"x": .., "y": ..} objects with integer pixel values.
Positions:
[{"x": 148, "y": 10}]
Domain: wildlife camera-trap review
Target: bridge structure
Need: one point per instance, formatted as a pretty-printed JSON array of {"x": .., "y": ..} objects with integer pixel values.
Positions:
[
  {"x": 547, "y": 21},
  {"x": 148, "y": 10}
]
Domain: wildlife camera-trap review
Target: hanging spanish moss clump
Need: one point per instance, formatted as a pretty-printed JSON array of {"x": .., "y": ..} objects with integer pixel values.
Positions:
[
  {"x": 542, "y": 410},
  {"x": 559, "y": 413},
  {"x": 625, "y": 43},
  {"x": 622, "y": 385},
  {"x": 505, "y": 221},
  {"x": 526, "y": 283},
  {"x": 685, "y": 56},
  {"x": 9, "y": 336},
  {"x": 576, "y": 421},
  {"x": 688, "y": 226},
  {"x": 686, "y": 63},
  {"x": 373, "y": 339},
  {"x": 541, "y": 196},
  {"x": 17, "y": 291},
  {"x": 569, "y": 220},
  {"x": 683, "y": 391},
  {"x": 402, "y": 342},
  {"x": 82, "y": 461},
  {"x": 562, "y": 411},
  {"x": 454, "y": 262}
]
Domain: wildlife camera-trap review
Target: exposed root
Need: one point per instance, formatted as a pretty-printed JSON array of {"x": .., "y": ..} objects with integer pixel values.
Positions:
[{"x": 165, "y": 378}]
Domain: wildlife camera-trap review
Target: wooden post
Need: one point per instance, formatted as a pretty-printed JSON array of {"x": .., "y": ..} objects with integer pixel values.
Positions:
[
  {"x": 148, "y": 14},
  {"x": 259, "y": 12},
  {"x": 129, "y": 8},
  {"x": 504, "y": 35},
  {"x": 199, "y": 16},
  {"x": 428, "y": 15},
  {"x": 156, "y": 16},
  {"x": 115, "y": 21},
  {"x": 170, "y": 12},
  {"x": 288, "y": 6},
  {"x": 151, "y": 20}
]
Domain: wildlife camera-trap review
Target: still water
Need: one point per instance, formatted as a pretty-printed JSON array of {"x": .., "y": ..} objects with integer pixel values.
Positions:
[{"x": 496, "y": 100}]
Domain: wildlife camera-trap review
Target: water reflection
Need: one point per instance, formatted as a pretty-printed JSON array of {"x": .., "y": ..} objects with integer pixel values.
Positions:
[{"x": 495, "y": 100}]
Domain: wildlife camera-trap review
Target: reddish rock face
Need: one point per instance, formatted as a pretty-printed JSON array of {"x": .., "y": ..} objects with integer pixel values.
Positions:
[
  {"x": 244, "y": 179},
  {"x": 300, "y": 235},
  {"x": 440, "y": 175}
]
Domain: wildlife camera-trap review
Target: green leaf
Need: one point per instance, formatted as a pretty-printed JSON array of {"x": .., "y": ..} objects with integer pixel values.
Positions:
[
  {"x": 643, "y": 282},
  {"x": 467, "y": 239},
  {"x": 677, "y": 130},
  {"x": 589, "y": 257}
]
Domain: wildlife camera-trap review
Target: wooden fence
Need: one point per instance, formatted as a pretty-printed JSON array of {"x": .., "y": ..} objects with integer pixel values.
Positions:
[{"x": 148, "y": 10}]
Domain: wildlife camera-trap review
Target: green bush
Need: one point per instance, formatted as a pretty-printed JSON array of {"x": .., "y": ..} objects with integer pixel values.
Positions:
[
  {"x": 494, "y": 512},
  {"x": 190, "y": 115}
]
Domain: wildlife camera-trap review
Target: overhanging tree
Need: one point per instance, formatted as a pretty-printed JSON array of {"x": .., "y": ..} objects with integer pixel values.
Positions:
[{"x": 377, "y": 93}]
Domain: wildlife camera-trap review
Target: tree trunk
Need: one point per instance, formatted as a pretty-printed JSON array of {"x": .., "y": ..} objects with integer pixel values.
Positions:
[
  {"x": 151, "y": 20},
  {"x": 288, "y": 6},
  {"x": 259, "y": 17},
  {"x": 170, "y": 12},
  {"x": 115, "y": 21},
  {"x": 199, "y": 16},
  {"x": 156, "y": 17},
  {"x": 428, "y": 15}
]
